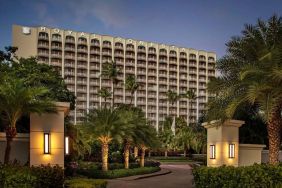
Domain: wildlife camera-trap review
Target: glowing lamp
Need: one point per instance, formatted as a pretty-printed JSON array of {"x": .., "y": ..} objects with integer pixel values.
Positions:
[
  {"x": 66, "y": 145},
  {"x": 212, "y": 151},
  {"x": 47, "y": 143},
  {"x": 231, "y": 150}
]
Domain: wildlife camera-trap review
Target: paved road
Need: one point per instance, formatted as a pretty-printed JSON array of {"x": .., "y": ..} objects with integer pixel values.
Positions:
[{"x": 181, "y": 177}]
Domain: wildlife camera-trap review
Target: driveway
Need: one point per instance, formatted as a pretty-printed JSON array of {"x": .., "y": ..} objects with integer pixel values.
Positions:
[{"x": 180, "y": 177}]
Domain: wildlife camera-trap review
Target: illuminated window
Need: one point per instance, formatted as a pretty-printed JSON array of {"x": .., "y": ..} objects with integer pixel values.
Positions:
[
  {"x": 231, "y": 150},
  {"x": 46, "y": 143},
  {"x": 212, "y": 151}
]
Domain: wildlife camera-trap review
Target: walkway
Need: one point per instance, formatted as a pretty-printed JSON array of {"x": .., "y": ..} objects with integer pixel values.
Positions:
[{"x": 180, "y": 177}]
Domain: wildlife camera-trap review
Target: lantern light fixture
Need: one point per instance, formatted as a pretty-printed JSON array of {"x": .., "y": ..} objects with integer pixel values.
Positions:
[
  {"x": 212, "y": 151},
  {"x": 231, "y": 150},
  {"x": 47, "y": 143},
  {"x": 67, "y": 145}
]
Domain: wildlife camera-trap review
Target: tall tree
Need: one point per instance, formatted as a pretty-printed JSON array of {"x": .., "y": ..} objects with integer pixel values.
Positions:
[
  {"x": 105, "y": 125},
  {"x": 251, "y": 74},
  {"x": 105, "y": 94},
  {"x": 131, "y": 85},
  {"x": 110, "y": 71},
  {"x": 17, "y": 100}
]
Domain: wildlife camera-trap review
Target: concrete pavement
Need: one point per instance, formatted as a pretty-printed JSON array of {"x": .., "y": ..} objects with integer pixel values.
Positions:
[{"x": 180, "y": 177}]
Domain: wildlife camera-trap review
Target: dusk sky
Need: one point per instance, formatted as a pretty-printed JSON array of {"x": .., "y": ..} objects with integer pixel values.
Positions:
[{"x": 203, "y": 25}]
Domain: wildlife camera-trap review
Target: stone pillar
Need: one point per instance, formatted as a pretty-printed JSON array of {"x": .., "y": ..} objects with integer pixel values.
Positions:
[
  {"x": 54, "y": 125},
  {"x": 222, "y": 136}
]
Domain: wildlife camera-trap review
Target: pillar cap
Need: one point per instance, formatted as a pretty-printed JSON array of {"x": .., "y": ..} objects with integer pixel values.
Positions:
[
  {"x": 217, "y": 123},
  {"x": 63, "y": 106}
]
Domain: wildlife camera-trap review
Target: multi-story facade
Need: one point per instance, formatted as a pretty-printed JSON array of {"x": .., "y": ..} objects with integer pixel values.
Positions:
[{"x": 78, "y": 56}]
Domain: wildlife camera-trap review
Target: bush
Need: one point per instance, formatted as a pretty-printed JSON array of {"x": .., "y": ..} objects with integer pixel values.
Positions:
[
  {"x": 85, "y": 183},
  {"x": 90, "y": 173},
  {"x": 23, "y": 176},
  {"x": 227, "y": 176},
  {"x": 48, "y": 176},
  {"x": 16, "y": 176}
]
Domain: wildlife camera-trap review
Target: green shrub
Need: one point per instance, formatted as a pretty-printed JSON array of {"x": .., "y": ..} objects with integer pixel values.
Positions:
[
  {"x": 16, "y": 176},
  {"x": 227, "y": 176},
  {"x": 90, "y": 173},
  {"x": 48, "y": 176},
  {"x": 85, "y": 183}
]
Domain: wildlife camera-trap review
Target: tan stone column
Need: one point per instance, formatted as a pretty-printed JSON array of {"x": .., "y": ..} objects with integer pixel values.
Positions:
[
  {"x": 53, "y": 124},
  {"x": 223, "y": 137}
]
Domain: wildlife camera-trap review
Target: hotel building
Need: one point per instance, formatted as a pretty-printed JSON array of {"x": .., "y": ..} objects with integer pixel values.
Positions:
[{"x": 78, "y": 57}]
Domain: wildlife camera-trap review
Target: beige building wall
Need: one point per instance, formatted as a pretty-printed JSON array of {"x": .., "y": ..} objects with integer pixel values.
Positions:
[
  {"x": 20, "y": 148},
  {"x": 78, "y": 57},
  {"x": 54, "y": 125}
]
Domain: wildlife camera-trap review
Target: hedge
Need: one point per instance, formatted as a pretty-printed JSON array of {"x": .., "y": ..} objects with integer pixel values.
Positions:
[
  {"x": 85, "y": 183},
  {"x": 35, "y": 177},
  {"x": 258, "y": 175},
  {"x": 118, "y": 173}
]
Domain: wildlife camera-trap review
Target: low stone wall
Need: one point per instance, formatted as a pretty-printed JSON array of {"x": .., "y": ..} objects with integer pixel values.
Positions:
[
  {"x": 20, "y": 148},
  {"x": 250, "y": 154},
  {"x": 264, "y": 156}
]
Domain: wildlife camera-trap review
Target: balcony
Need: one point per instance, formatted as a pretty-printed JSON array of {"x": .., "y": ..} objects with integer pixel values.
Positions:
[
  {"x": 82, "y": 50},
  {"x": 141, "y": 50},
  {"x": 56, "y": 47},
  {"x": 79, "y": 74},
  {"x": 69, "y": 49},
  {"x": 192, "y": 64},
  {"x": 162, "y": 53},
  {"x": 43, "y": 37},
  {"x": 57, "y": 56},
  {"x": 43, "y": 45},
  {"x": 82, "y": 42},
  {"x": 43, "y": 54},
  {"x": 152, "y": 59},
  {"x": 69, "y": 65},
  {"x": 95, "y": 66},
  {"x": 130, "y": 48},
  {"x": 107, "y": 53},
  {"x": 161, "y": 67},
  {"x": 81, "y": 82},
  {"x": 141, "y": 58},
  {"x": 130, "y": 71},
  {"x": 152, "y": 66},
  {"x": 130, "y": 56},
  {"x": 162, "y": 74},
  {"x": 96, "y": 52},
  {"x": 107, "y": 45},
  {"x": 79, "y": 90},
  {"x": 192, "y": 57},
  {"x": 120, "y": 55},
  {"x": 172, "y": 76},
  {"x": 70, "y": 41},
  {"x": 95, "y": 59},
  {"x": 82, "y": 58},
  {"x": 143, "y": 65},
  {"x": 69, "y": 81},
  {"x": 56, "y": 64},
  {"x": 82, "y": 66},
  {"x": 202, "y": 65},
  {"x": 56, "y": 39},
  {"x": 141, "y": 79},
  {"x": 96, "y": 44},
  {"x": 173, "y": 68},
  {"x": 152, "y": 52},
  {"x": 192, "y": 72},
  {"x": 69, "y": 73},
  {"x": 202, "y": 72},
  {"x": 173, "y": 55},
  {"x": 141, "y": 72},
  {"x": 81, "y": 98},
  {"x": 70, "y": 57},
  {"x": 202, "y": 87},
  {"x": 163, "y": 82}
]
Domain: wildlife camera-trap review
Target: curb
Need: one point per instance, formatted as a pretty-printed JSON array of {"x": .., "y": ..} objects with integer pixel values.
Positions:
[{"x": 153, "y": 175}]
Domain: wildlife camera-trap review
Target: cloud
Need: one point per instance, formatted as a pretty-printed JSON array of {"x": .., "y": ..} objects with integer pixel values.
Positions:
[
  {"x": 43, "y": 16},
  {"x": 112, "y": 13}
]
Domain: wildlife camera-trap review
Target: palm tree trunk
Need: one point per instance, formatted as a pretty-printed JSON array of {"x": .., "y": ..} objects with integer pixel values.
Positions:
[
  {"x": 184, "y": 153},
  {"x": 113, "y": 94},
  {"x": 135, "y": 152},
  {"x": 131, "y": 99},
  {"x": 149, "y": 154},
  {"x": 11, "y": 132},
  {"x": 274, "y": 137},
  {"x": 105, "y": 150},
  {"x": 165, "y": 152},
  {"x": 142, "y": 158},
  {"x": 126, "y": 155}
]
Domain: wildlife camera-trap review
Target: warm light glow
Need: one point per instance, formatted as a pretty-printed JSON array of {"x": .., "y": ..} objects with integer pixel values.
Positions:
[
  {"x": 212, "y": 151},
  {"x": 66, "y": 145},
  {"x": 231, "y": 150},
  {"x": 46, "y": 143}
]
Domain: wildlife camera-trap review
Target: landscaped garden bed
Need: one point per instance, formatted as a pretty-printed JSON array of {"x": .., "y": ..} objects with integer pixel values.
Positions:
[
  {"x": 250, "y": 176},
  {"x": 85, "y": 183}
]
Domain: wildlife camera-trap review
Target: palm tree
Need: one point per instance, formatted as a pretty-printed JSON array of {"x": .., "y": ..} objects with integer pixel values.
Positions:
[
  {"x": 191, "y": 96},
  {"x": 251, "y": 74},
  {"x": 105, "y": 94},
  {"x": 184, "y": 138},
  {"x": 17, "y": 100},
  {"x": 105, "y": 125},
  {"x": 166, "y": 137},
  {"x": 131, "y": 85},
  {"x": 110, "y": 71},
  {"x": 172, "y": 97}
]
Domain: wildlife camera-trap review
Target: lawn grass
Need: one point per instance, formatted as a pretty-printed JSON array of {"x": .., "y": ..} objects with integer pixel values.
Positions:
[{"x": 85, "y": 183}]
